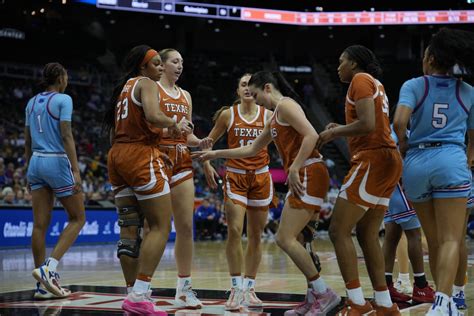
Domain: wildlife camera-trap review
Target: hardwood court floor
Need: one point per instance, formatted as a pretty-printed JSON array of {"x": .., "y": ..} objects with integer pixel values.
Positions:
[{"x": 97, "y": 265}]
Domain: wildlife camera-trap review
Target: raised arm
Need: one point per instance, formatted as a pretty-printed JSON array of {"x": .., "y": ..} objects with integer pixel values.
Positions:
[
  {"x": 242, "y": 152},
  {"x": 146, "y": 92},
  {"x": 192, "y": 140},
  {"x": 220, "y": 127}
]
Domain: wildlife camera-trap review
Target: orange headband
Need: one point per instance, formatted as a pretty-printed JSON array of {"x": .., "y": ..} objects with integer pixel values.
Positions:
[{"x": 148, "y": 56}]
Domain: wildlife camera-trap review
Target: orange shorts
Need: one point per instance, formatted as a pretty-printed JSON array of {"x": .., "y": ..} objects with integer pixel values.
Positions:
[
  {"x": 180, "y": 157},
  {"x": 315, "y": 178},
  {"x": 136, "y": 169},
  {"x": 373, "y": 177},
  {"x": 250, "y": 189}
]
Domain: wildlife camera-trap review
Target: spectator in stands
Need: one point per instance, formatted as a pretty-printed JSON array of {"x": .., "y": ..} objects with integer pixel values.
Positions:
[
  {"x": 206, "y": 218},
  {"x": 8, "y": 196}
]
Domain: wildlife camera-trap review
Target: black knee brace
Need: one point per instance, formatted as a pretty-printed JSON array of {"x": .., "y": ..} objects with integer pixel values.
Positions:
[
  {"x": 130, "y": 247},
  {"x": 309, "y": 234}
]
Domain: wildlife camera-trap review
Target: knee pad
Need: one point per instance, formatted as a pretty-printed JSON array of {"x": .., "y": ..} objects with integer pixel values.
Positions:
[{"x": 130, "y": 247}]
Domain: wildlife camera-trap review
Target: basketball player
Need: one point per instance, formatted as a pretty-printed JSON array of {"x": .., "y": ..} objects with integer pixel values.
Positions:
[
  {"x": 53, "y": 171},
  {"x": 176, "y": 103},
  {"x": 136, "y": 169},
  {"x": 248, "y": 189},
  {"x": 438, "y": 107},
  {"x": 308, "y": 180},
  {"x": 365, "y": 193}
]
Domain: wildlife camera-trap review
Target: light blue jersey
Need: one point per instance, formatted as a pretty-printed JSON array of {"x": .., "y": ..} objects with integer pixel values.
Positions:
[
  {"x": 435, "y": 165},
  {"x": 49, "y": 165},
  {"x": 43, "y": 114},
  {"x": 441, "y": 109}
]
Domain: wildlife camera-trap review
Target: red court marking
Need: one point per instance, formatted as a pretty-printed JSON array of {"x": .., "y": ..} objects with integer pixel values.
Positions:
[{"x": 106, "y": 302}]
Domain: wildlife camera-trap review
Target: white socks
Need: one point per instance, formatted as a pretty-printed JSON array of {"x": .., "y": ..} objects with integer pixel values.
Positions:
[
  {"x": 318, "y": 285},
  {"x": 236, "y": 282},
  {"x": 141, "y": 287},
  {"x": 457, "y": 289},
  {"x": 183, "y": 283},
  {"x": 356, "y": 296},
  {"x": 382, "y": 298},
  {"x": 249, "y": 283}
]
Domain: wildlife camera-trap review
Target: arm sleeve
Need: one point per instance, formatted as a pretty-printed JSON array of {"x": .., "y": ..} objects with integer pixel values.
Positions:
[
  {"x": 362, "y": 86},
  {"x": 65, "y": 109},
  {"x": 408, "y": 94}
]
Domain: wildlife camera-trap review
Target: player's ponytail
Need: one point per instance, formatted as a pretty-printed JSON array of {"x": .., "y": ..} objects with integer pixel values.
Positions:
[
  {"x": 51, "y": 73},
  {"x": 261, "y": 78},
  {"x": 365, "y": 60},
  {"x": 131, "y": 67},
  {"x": 218, "y": 113},
  {"x": 450, "y": 47}
]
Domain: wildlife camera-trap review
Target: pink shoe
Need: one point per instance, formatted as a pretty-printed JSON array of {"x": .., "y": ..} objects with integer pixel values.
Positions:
[
  {"x": 141, "y": 307},
  {"x": 302, "y": 308},
  {"x": 323, "y": 303}
]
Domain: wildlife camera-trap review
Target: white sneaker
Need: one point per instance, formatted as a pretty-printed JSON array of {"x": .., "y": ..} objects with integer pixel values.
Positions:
[
  {"x": 50, "y": 280},
  {"x": 454, "y": 311},
  {"x": 251, "y": 300},
  {"x": 436, "y": 310},
  {"x": 404, "y": 287},
  {"x": 235, "y": 299},
  {"x": 42, "y": 294},
  {"x": 187, "y": 298}
]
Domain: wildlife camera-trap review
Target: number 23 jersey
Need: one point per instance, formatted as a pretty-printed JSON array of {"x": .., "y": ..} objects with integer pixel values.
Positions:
[
  {"x": 131, "y": 125},
  {"x": 364, "y": 86}
]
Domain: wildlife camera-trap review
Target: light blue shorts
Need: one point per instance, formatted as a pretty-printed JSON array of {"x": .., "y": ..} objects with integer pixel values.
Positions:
[
  {"x": 400, "y": 211},
  {"x": 53, "y": 171},
  {"x": 470, "y": 199},
  {"x": 437, "y": 172}
]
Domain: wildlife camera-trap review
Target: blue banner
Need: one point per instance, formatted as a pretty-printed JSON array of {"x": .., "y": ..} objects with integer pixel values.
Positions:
[{"x": 16, "y": 224}]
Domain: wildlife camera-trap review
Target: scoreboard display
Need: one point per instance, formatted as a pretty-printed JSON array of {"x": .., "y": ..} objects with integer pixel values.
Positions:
[{"x": 266, "y": 15}]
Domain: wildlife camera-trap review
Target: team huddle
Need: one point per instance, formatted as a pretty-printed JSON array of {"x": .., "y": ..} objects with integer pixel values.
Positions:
[{"x": 398, "y": 175}]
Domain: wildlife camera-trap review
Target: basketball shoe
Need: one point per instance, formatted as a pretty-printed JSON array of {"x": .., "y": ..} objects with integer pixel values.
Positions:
[
  {"x": 187, "y": 298},
  {"x": 42, "y": 294},
  {"x": 50, "y": 280},
  {"x": 303, "y": 307},
  {"x": 250, "y": 299},
  {"x": 139, "y": 304},
  {"x": 352, "y": 309},
  {"x": 235, "y": 299},
  {"x": 323, "y": 303}
]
